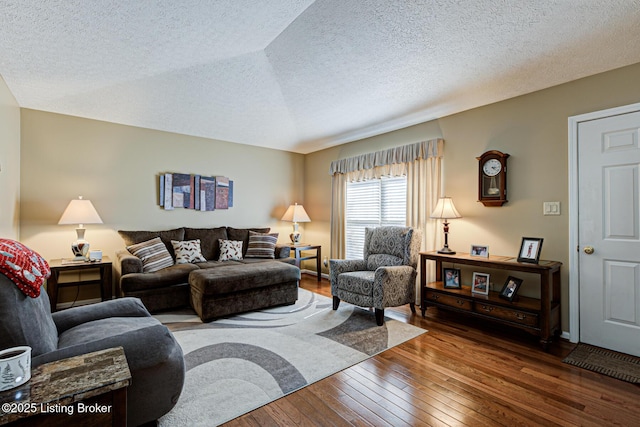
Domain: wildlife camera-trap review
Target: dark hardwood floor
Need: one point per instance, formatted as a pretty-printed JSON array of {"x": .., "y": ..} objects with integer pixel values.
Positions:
[{"x": 460, "y": 373}]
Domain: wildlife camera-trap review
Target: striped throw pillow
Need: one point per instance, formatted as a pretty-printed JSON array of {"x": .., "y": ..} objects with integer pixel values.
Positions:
[
  {"x": 261, "y": 245},
  {"x": 153, "y": 254}
]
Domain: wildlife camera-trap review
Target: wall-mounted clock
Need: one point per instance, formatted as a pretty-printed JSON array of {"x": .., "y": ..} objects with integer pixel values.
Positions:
[{"x": 492, "y": 181}]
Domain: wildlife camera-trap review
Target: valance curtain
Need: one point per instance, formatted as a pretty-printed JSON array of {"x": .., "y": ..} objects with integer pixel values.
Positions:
[{"x": 419, "y": 162}]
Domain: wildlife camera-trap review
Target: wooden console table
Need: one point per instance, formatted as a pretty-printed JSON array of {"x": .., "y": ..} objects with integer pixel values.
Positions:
[
  {"x": 540, "y": 317},
  {"x": 85, "y": 390}
]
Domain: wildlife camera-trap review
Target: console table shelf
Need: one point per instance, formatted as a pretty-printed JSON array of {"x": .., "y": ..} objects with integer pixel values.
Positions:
[{"x": 540, "y": 317}]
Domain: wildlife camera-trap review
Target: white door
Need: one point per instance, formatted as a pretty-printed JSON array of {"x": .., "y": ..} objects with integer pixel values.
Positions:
[{"x": 609, "y": 232}]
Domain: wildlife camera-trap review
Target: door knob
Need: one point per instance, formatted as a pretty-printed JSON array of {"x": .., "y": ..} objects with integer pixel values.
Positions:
[{"x": 588, "y": 250}]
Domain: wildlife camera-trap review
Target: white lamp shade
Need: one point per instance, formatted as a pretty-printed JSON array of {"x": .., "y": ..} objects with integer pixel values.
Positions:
[
  {"x": 296, "y": 213},
  {"x": 80, "y": 211},
  {"x": 445, "y": 209}
]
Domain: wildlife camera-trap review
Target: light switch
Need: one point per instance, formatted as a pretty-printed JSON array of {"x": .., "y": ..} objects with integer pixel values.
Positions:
[{"x": 551, "y": 208}]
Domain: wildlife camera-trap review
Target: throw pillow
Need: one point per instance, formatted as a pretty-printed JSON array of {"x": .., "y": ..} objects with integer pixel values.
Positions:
[
  {"x": 230, "y": 250},
  {"x": 187, "y": 251},
  {"x": 24, "y": 267},
  {"x": 261, "y": 245},
  {"x": 243, "y": 235},
  {"x": 133, "y": 237},
  {"x": 153, "y": 254}
]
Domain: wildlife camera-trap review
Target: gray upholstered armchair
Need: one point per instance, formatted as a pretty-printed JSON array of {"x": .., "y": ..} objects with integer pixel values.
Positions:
[
  {"x": 385, "y": 277},
  {"x": 154, "y": 356}
]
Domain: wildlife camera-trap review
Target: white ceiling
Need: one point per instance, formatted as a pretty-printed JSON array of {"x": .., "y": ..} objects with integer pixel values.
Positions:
[{"x": 300, "y": 75}]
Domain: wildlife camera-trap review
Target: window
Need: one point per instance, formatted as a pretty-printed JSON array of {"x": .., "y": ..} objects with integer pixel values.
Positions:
[{"x": 373, "y": 203}]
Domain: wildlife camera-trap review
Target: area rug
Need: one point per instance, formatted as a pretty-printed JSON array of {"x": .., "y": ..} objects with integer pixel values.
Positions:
[
  {"x": 606, "y": 362},
  {"x": 240, "y": 363}
]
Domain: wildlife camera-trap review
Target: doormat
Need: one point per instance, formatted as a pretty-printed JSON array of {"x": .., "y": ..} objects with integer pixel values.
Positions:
[
  {"x": 239, "y": 363},
  {"x": 607, "y": 362}
]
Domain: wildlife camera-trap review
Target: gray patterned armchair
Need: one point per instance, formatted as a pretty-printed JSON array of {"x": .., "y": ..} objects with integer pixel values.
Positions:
[{"x": 385, "y": 277}]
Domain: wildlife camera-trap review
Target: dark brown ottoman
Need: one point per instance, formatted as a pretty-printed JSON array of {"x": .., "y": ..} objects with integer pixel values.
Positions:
[{"x": 230, "y": 289}]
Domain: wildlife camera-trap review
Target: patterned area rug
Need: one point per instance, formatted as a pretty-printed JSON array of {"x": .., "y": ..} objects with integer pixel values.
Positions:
[
  {"x": 606, "y": 362},
  {"x": 240, "y": 363}
]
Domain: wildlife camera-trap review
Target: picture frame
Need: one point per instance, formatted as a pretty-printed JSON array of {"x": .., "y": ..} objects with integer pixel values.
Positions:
[
  {"x": 451, "y": 278},
  {"x": 530, "y": 249},
  {"x": 480, "y": 283},
  {"x": 479, "y": 251},
  {"x": 510, "y": 288}
]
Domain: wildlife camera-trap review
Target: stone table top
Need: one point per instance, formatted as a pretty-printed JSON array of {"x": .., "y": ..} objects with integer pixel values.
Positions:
[{"x": 66, "y": 381}]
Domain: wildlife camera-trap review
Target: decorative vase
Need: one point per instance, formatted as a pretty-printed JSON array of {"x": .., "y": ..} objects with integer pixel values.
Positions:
[{"x": 15, "y": 367}]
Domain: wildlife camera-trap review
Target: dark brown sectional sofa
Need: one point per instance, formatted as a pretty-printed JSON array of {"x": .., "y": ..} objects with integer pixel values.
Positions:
[{"x": 170, "y": 288}]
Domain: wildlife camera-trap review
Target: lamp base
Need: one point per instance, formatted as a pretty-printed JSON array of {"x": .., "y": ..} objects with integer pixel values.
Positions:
[
  {"x": 295, "y": 238},
  {"x": 446, "y": 251},
  {"x": 80, "y": 249}
]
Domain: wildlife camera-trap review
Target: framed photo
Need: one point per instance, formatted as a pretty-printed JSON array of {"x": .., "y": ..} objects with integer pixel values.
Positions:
[
  {"x": 480, "y": 284},
  {"x": 530, "y": 250},
  {"x": 479, "y": 250},
  {"x": 451, "y": 278},
  {"x": 510, "y": 288}
]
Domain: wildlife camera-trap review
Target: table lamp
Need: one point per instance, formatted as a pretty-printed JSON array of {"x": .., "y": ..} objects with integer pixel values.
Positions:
[
  {"x": 445, "y": 210},
  {"x": 80, "y": 211},
  {"x": 295, "y": 214}
]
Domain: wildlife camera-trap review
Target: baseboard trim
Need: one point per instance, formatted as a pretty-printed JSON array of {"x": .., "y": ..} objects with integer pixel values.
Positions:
[{"x": 314, "y": 273}]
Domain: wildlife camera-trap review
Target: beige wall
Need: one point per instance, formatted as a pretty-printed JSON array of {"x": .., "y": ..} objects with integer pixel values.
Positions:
[
  {"x": 532, "y": 129},
  {"x": 116, "y": 167},
  {"x": 9, "y": 164}
]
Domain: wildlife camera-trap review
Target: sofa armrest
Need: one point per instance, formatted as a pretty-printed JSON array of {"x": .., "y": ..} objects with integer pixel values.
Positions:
[
  {"x": 127, "y": 263},
  {"x": 144, "y": 348},
  {"x": 394, "y": 286},
  {"x": 282, "y": 251},
  {"x": 122, "y": 307},
  {"x": 339, "y": 266}
]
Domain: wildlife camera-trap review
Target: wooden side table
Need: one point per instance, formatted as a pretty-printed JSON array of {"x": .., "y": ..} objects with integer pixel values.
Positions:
[
  {"x": 297, "y": 251},
  {"x": 85, "y": 390},
  {"x": 61, "y": 265}
]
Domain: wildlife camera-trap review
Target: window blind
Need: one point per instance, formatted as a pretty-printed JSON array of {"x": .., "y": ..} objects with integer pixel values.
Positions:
[{"x": 373, "y": 203}]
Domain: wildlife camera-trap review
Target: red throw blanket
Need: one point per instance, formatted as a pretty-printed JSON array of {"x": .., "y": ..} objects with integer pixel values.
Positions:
[{"x": 24, "y": 267}]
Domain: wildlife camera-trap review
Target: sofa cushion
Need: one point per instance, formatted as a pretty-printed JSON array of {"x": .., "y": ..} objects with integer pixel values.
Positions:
[
  {"x": 133, "y": 237},
  {"x": 261, "y": 245},
  {"x": 385, "y": 246},
  {"x": 153, "y": 254},
  {"x": 242, "y": 234},
  {"x": 187, "y": 251},
  {"x": 208, "y": 240},
  {"x": 174, "y": 275},
  {"x": 382, "y": 260},
  {"x": 230, "y": 250},
  {"x": 216, "y": 264},
  {"x": 291, "y": 261}
]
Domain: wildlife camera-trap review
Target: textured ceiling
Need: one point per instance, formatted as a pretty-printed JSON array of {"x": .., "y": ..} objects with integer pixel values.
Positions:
[{"x": 300, "y": 75}]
